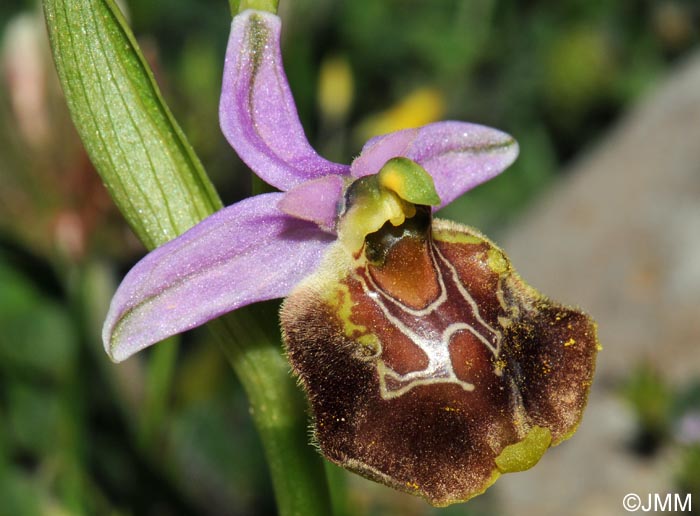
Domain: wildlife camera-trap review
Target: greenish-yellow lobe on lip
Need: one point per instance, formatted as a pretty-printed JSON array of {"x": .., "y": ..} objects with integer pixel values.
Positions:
[
  {"x": 496, "y": 261},
  {"x": 457, "y": 238},
  {"x": 526, "y": 453}
]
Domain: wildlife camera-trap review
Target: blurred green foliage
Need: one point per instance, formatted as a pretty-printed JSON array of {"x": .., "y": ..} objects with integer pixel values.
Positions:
[
  {"x": 651, "y": 400},
  {"x": 666, "y": 416},
  {"x": 171, "y": 434}
]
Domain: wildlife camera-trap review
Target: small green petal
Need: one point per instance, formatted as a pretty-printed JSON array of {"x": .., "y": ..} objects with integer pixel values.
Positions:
[
  {"x": 410, "y": 181},
  {"x": 525, "y": 454}
]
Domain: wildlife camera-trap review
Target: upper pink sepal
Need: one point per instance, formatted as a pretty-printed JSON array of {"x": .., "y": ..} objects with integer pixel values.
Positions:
[{"x": 257, "y": 111}]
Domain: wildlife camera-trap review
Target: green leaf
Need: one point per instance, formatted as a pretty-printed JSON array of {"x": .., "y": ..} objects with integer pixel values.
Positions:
[
  {"x": 37, "y": 337},
  {"x": 144, "y": 159},
  {"x": 159, "y": 185}
]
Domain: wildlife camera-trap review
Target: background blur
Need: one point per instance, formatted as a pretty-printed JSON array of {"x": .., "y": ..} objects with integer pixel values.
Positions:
[{"x": 168, "y": 433}]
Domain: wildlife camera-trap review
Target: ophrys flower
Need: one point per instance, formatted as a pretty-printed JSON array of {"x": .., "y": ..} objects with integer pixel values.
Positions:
[{"x": 429, "y": 364}]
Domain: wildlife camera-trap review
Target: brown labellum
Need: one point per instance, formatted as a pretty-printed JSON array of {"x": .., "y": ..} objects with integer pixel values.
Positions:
[{"x": 430, "y": 365}]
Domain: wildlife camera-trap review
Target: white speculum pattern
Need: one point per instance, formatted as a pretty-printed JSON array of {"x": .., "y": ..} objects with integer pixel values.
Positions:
[{"x": 432, "y": 331}]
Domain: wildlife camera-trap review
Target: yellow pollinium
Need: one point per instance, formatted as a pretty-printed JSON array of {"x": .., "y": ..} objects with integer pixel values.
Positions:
[{"x": 390, "y": 195}]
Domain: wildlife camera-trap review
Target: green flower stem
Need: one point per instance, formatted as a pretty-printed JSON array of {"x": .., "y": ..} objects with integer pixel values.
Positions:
[
  {"x": 159, "y": 378},
  {"x": 338, "y": 486},
  {"x": 140, "y": 388},
  {"x": 90, "y": 287},
  {"x": 278, "y": 411}
]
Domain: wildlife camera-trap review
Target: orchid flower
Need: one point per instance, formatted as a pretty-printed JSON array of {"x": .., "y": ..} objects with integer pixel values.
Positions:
[{"x": 428, "y": 363}]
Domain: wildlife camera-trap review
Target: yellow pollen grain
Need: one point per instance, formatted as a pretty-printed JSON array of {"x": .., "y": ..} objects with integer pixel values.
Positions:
[
  {"x": 505, "y": 322},
  {"x": 546, "y": 367},
  {"x": 570, "y": 342},
  {"x": 451, "y": 409},
  {"x": 499, "y": 364}
]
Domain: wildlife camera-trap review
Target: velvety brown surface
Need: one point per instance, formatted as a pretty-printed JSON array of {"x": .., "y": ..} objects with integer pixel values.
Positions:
[{"x": 423, "y": 392}]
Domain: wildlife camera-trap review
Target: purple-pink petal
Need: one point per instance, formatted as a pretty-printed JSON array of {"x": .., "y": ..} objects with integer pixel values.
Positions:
[
  {"x": 257, "y": 111},
  {"x": 316, "y": 201},
  {"x": 245, "y": 253},
  {"x": 458, "y": 155}
]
